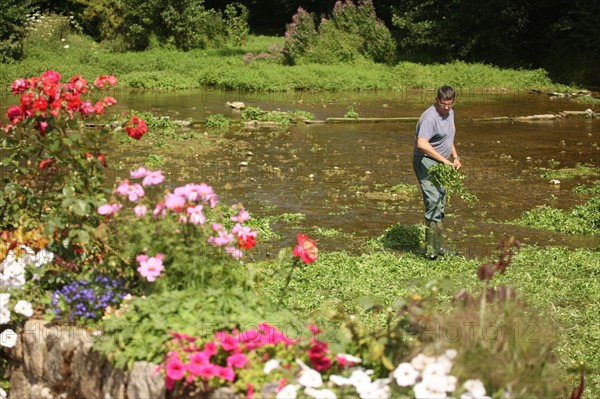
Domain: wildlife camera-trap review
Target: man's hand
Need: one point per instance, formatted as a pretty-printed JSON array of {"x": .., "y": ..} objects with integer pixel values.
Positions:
[{"x": 457, "y": 165}]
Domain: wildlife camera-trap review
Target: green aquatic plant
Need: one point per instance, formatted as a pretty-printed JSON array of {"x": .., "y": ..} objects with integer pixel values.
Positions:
[
  {"x": 155, "y": 161},
  {"x": 452, "y": 179},
  {"x": 583, "y": 219},
  {"x": 351, "y": 113},
  {"x": 217, "y": 121}
]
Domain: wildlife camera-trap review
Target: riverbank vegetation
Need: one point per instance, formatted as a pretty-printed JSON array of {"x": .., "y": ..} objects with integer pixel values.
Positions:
[{"x": 308, "y": 58}]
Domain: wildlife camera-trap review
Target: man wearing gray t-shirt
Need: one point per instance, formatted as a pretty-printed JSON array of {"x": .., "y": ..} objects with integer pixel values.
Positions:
[{"x": 434, "y": 143}]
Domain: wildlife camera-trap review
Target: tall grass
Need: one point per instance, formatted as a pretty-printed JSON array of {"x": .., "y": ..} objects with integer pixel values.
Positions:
[{"x": 168, "y": 69}]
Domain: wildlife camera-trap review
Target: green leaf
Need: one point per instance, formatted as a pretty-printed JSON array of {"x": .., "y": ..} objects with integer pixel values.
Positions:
[
  {"x": 83, "y": 236},
  {"x": 80, "y": 207},
  {"x": 387, "y": 363}
]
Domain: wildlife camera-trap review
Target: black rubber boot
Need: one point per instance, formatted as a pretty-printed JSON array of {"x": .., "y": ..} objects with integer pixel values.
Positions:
[
  {"x": 438, "y": 229},
  {"x": 430, "y": 240}
]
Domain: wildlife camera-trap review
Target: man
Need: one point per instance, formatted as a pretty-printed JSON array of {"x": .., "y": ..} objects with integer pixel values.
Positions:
[{"x": 434, "y": 143}]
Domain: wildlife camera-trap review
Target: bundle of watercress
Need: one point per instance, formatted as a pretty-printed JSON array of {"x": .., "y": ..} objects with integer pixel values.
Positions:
[{"x": 451, "y": 178}]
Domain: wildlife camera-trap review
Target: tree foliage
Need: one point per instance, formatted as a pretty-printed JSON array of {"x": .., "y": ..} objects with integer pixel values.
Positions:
[{"x": 14, "y": 14}]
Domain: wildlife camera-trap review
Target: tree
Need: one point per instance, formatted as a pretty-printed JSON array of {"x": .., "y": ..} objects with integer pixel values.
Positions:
[{"x": 14, "y": 15}]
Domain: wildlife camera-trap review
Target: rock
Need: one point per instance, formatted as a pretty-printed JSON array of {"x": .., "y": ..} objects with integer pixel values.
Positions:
[
  {"x": 554, "y": 181},
  {"x": 236, "y": 104},
  {"x": 85, "y": 363},
  {"x": 144, "y": 383},
  {"x": 544, "y": 116}
]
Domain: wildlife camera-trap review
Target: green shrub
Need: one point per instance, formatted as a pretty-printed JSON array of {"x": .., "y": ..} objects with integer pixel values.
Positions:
[
  {"x": 300, "y": 35},
  {"x": 360, "y": 21},
  {"x": 139, "y": 330},
  {"x": 14, "y": 14},
  {"x": 333, "y": 46},
  {"x": 236, "y": 23}
]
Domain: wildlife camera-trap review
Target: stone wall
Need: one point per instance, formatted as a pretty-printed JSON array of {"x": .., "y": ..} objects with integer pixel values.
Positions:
[{"x": 51, "y": 362}]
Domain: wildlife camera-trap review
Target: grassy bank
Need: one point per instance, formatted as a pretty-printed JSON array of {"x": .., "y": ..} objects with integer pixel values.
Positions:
[
  {"x": 168, "y": 69},
  {"x": 557, "y": 290}
]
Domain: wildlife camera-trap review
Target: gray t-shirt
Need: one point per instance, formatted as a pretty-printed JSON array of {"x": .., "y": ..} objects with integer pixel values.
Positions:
[{"x": 439, "y": 131}]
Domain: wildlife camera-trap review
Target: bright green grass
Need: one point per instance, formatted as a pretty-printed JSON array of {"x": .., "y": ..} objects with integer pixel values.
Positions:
[
  {"x": 559, "y": 282},
  {"x": 224, "y": 68}
]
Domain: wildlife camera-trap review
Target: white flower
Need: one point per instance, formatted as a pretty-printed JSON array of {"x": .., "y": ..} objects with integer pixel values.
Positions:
[
  {"x": 378, "y": 389},
  {"x": 288, "y": 392},
  {"x": 4, "y": 315},
  {"x": 14, "y": 269},
  {"x": 360, "y": 378},
  {"x": 24, "y": 308},
  {"x": 3, "y": 394},
  {"x": 43, "y": 257},
  {"x": 309, "y": 377},
  {"x": 422, "y": 391},
  {"x": 28, "y": 255},
  {"x": 339, "y": 380},
  {"x": 444, "y": 363},
  {"x": 66, "y": 46},
  {"x": 420, "y": 361},
  {"x": 271, "y": 365},
  {"x": 320, "y": 393},
  {"x": 449, "y": 383},
  {"x": 469, "y": 395},
  {"x": 405, "y": 375},
  {"x": 4, "y": 298},
  {"x": 475, "y": 388},
  {"x": 435, "y": 370},
  {"x": 451, "y": 354},
  {"x": 8, "y": 338}
]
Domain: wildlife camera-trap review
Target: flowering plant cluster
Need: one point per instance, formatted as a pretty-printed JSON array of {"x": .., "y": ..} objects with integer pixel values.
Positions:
[
  {"x": 12, "y": 280},
  {"x": 274, "y": 53},
  {"x": 300, "y": 35},
  {"x": 87, "y": 300},
  {"x": 184, "y": 231},
  {"x": 54, "y": 168},
  {"x": 264, "y": 362}
]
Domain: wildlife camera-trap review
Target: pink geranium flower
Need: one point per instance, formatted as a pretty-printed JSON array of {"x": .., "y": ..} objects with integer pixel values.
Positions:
[
  {"x": 109, "y": 209},
  {"x": 174, "y": 202},
  {"x": 153, "y": 178},
  {"x": 132, "y": 191},
  {"x": 139, "y": 173},
  {"x": 196, "y": 215},
  {"x": 306, "y": 249},
  {"x": 242, "y": 215},
  {"x": 140, "y": 210},
  {"x": 150, "y": 268}
]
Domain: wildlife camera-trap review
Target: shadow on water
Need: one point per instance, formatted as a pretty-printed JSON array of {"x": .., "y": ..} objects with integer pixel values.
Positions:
[{"x": 353, "y": 181}]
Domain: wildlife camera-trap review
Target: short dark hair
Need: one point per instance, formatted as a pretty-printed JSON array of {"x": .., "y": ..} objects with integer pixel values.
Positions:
[{"x": 445, "y": 93}]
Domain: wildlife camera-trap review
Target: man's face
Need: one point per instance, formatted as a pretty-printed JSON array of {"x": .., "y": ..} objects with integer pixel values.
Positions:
[{"x": 443, "y": 106}]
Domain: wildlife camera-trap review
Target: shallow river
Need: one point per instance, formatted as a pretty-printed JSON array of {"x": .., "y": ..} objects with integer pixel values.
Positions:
[{"x": 340, "y": 175}]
